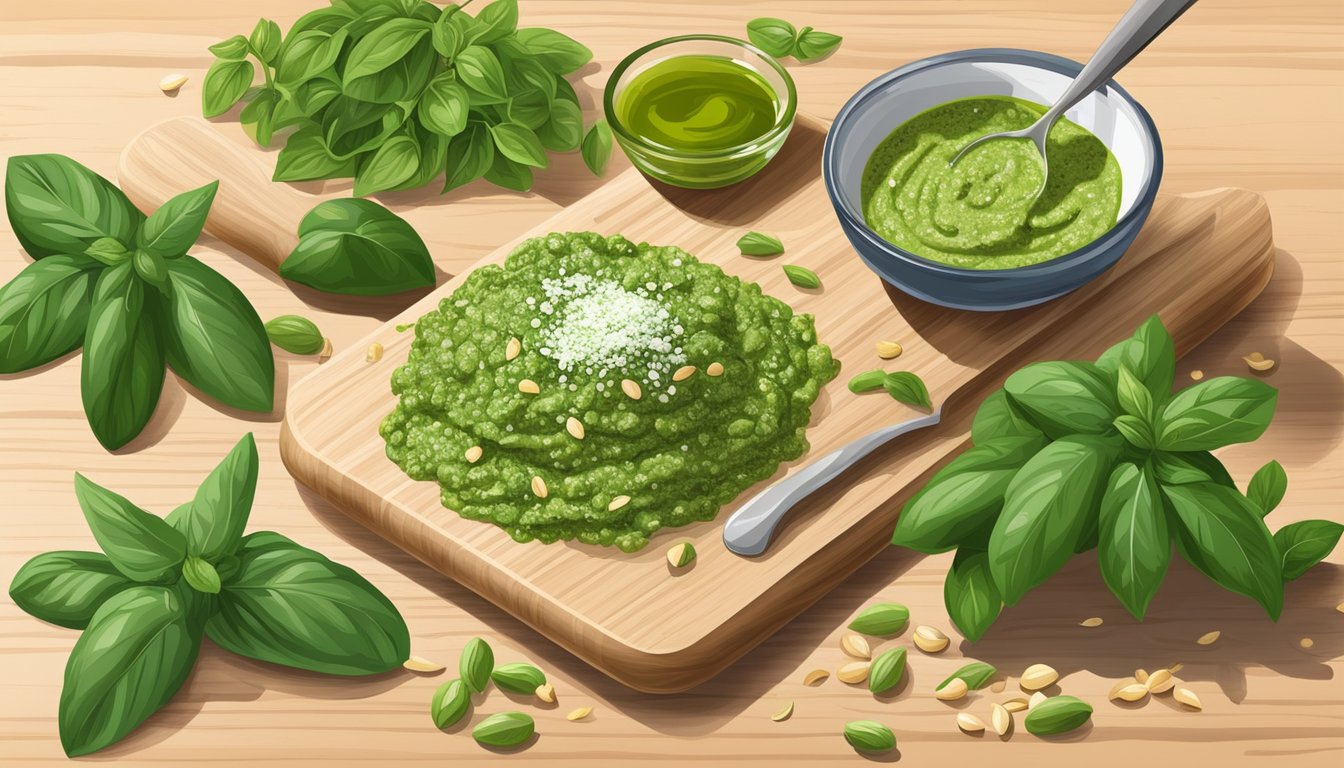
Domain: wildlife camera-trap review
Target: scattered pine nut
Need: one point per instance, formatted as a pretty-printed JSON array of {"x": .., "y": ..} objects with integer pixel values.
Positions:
[
  {"x": 172, "y": 82},
  {"x": 784, "y": 713},
  {"x": 1209, "y": 638},
  {"x": 1115, "y": 689},
  {"x": 421, "y": 664},
  {"x": 714, "y": 369},
  {"x": 546, "y": 692},
  {"x": 681, "y": 555},
  {"x": 579, "y": 714},
  {"x": 1258, "y": 362},
  {"x": 1160, "y": 681},
  {"x": 575, "y": 428},
  {"x": 955, "y": 689},
  {"x": 683, "y": 373},
  {"x": 815, "y": 677},
  {"x": 1132, "y": 692},
  {"x": 473, "y": 454},
  {"x": 539, "y": 487},
  {"x": 1340, "y": 607},
  {"x": 969, "y": 723},
  {"x": 1015, "y": 704},
  {"x": 1095, "y": 621},
  {"x": 1141, "y": 675},
  {"x": 1000, "y": 718},
  {"x": 1306, "y": 642},
  {"x": 528, "y": 387},
  {"x": 631, "y": 389},
  {"x": 888, "y": 350},
  {"x": 1196, "y": 374},
  {"x": 512, "y": 349},
  {"x": 856, "y": 646},
  {"x": 325, "y": 354},
  {"x": 617, "y": 503},
  {"x": 1188, "y": 698},
  {"x": 1036, "y": 698},
  {"x": 375, "y": 353},
  {"x": 853, "y": 672},
  {"x": 1038, "y": 676},
  {"x": 930, "y": 639}
]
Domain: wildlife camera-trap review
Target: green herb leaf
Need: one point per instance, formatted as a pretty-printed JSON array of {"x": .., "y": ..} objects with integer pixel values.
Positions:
[
  {"x": 294, "y": 334},
  {"x": 1268, "y": 485},
  {"x": 475, "y": 664},
  {"x": 66, "y": 588},
  {"x": 557, "y": 52},
  {"x": 774, "y": 36},
  {"x": 225, "y": 83},
  {"x": 977, "y": 675},
  {"x": 44, "y": 311},
  {"x": 1135, "y": 430},
  {"x": 760, "y": 244},
  {"x": 443, "y": 106},
  {"x": 392, "y": 163},
  {"x": 964, "y": 495},
  {"x": 233, "y": 48},
  {"x": 1306, "y": 543},
  {"x": 1230, "y": 542},
  {"x": 107, "y": 251},
  {"x": 1046, "y": 511},
  {"x": 150, "y": 268},
  {"x": 908, "y": 388},
  {"x": 496, "y": 20},
  {"x": 214, "y": 338},
  {"x": 518, "y": 677},
  {"x": 1134, "y": 547},
  {"x": 479, "y": 69},
  {"x": 1133, "y": 397},
  {"x": 1192, "y": 467},
  {"x": 881, "y": 619},
  {"x": 309, "y": 54},
  {"x": 290, "y": 605},
  {"x": 519, "y": 144},
  {"x": 1216, "y": 413},
  {"x": 141, "y": 546},
  {"x": 564, "y": 130},
  {"x": 506, "y": 729},
  {"x": 1056, "y": 715},
  {"x": 972, "y": 598},
  {"x": 998, "y": 417},
  {"x": 886, "y": 670},
  {"x": 56, "y": 205},
  {"x": 121, "y": 375},
  {"x": 358, "y": 247},
  {"x": 470, "y": 155},
  {"x": 392, "y": 63},
  {"x": 175, "y": 226},
  {"x": 505, "y": 173},
  {"x": 1149, "y": 354},
  {"x": 869, "y": 736},
  {"x": 136, "y": 653},
  {"x": 596, "y": 147},
  {"x": 305, "y": 158},
  {"x": 201, "y": 575},
  {"x": 448, "y": 35},
  {"x": 814, "y": 44},
  {"x": 265, "y": 40},
  {"x": 213, "y": 522},
  {"x": 450, "y": 704},
  {"x": 868, "y": 381},
  {"x": 802, "y": 277},
  {"x": 1064, "y": 397}
]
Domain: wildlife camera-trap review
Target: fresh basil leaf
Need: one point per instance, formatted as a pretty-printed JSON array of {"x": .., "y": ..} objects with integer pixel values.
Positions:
[
  {"x": 433, "y": 151},
  {"x": 496, "y": 20},
  {"x": 1268, "y": 484},
  {"x": 904, "y": 386},
  {"x": 556, "y": 51},
  {"x": 309, "y": 54},
  {"x": 1149, "y": 354},
  {"x": 1134, "y": 547},
  {"x": 225, "y": 83},
  {"x": 597, "y": 147},
  {"x": 383, "y": 47},
  {"x": 1046, "y": 511},
  {"x": 234, "y": 48},
  {"x": 121, "y": 375},
  {"x": 135, "y": 654},
  {"x": 214, "y": 520},
  {"x": 44, "y": 311},
  {"x": 1192, "y": 467},
  {"x": 530, "y": 108},
  {"x": 1215, "y": 413},
  {"x": 394, "y": 162},
  {"x": 176, "y": 225},
  {"x": 448, "y": 36},
  {"x": 305, "y": 158},
  {"x": 998, "y": 417},
  {"x": 814, "y": 44},
  {"x": 265, "y": 40},
  {"x": 150, "y": 267},
  {"x": 360, "y": 248},
  {"x": 65, "y": 588},
  {"x": 1230, "y": 542},
  {"x": 774, "y": 36},
  {"x": 1132, "y": 396},
  {"x": 258, "y": 117},
  {"x": 141, "y": 546},
  {"x": 519, "y": 144},
  {"x": 351, "y": 127},
  {"x": 107, "y": 251},
  {"x": 290, "y": 605},
  {"x": 295, "y": 334},
  {"x": 505, "y": 173},
  {"x": 564, "y": 130},
  {"x": 1304, "y": 544},
  {"x": 308, "y": 99},
  {"x": 201, "y": 575},
  {"x": 1135, "y": 430},
  {"x": 56, "y": 205},
  {"x": 1064, "y": 397},
  {"x": 479, "y": 69},
  {"x": 470, "y": 155},
  {"x": 527, "y": 73},
  {"x": 392, "y": 63},
  {"x": 972, "y": 598},
  {"x": 214, "y": 338},
  {"x": 443, "y": 106},
  {"x": 327, "y": 19},
  {"x": 964, "y": 495}
]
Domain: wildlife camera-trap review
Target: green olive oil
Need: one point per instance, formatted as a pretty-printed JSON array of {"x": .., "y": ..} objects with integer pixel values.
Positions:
[{"x": 698, "y": 103}]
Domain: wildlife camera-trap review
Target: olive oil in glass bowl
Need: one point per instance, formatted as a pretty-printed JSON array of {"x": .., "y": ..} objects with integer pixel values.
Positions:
[{"x": 700, "y": 111}]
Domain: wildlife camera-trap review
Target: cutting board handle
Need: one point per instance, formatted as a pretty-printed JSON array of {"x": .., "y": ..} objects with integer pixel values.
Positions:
[{"x": 250, "y": 212}]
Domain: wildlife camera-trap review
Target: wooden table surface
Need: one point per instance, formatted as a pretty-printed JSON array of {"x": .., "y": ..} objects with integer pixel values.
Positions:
[{"x": 1245, "y": 93}]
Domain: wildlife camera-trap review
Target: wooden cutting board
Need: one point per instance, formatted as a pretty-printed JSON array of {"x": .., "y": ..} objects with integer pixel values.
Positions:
[{"x": 1200, "y": 260}]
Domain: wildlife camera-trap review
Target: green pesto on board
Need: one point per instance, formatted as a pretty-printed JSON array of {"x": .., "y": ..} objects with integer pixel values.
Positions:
[
  {"x": 981, "y": 213},
  {"x": 698, "y": 103},
  {"x": 591, "y": 312}
]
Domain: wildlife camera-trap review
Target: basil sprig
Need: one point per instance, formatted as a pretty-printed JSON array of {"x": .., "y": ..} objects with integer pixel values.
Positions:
[
  {"x": 779, "y": 38},
  {"x": 123, "y": 287},
  {"x": 160, "y": 585},
  {"x": 1073, "y": 455},
  {"x": 393, "y": 94}
]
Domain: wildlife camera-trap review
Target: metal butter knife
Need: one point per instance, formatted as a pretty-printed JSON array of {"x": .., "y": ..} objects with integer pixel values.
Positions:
[{"x": 749, "y": 529}]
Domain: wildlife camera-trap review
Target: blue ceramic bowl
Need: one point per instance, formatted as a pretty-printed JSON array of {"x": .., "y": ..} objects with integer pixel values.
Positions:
[{"x": 882, "y": 105}]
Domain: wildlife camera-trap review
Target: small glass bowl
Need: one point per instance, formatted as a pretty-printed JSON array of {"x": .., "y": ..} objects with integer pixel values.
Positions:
[{"x": 695, "y": 169}]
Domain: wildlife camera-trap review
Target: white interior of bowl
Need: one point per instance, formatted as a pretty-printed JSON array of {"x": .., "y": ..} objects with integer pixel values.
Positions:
[{"x": 1110, "y": 117}]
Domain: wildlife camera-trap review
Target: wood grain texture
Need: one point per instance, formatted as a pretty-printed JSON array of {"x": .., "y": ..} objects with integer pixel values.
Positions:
[{"x": 1245, "y": 93}]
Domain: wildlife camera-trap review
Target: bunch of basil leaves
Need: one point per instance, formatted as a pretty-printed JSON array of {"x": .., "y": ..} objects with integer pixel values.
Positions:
[
  {"x": 1071, "y": 455},
  {"x": 122, "y": 286},
  {"x": 160, "y": 585},
  {"x": 393, "y": 93}
]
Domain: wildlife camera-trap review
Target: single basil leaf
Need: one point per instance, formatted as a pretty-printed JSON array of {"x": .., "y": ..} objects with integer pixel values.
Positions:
[
  {"x": 213, "y": 522},
  {"x": 479, "y": 68},
  {"x": 447, "y": 36},
  {"x": 495, "y": 21},
  {"x": 1268, "y": 485},
  {"x": 522, "y": 73},
  {"x": 1135, "y": 430},
  {"x": 175, "y": 226},
  {"x": 1064, "y": 397},
  {"x": 141, "y": 546},
  {"x": 360, "y": 248},
  {"x": 998, "y": 417},
  {"x": 443, "y": 106},
  {"x": 150, "y": 267},
  {"x": 907, "y": 387},
  {"x": 505, "y": 173},
  {"x": 564, "y": 130},
  {"x": 233, "y": 48},
  {"x": 814, "y": 44},
  {"x": 308, "y": 99},
  {"x": 394, "y": 162},
  {"x": 433, "y": 151},
  {"x": 1231, "y": 543},
  {"x": 557, "y": 52},
  {"x": 964, "y": 495},
  {"x": 1215, "y": 413},
  {"x": 201, "y": 575},
  {"x": 121, "y": 375},
  {"x": 393, "y": 63},
  {"x": 759, "y": 244},
  {"x": 290, "y": 605},
  {"x": 136, "y": 653},
  {"x": 295, "y": 334},
  {"x": 305, "y": 158},
  {"x": 214, "y": 338},
  {"x": 597, "y": 147},
  {"x": 1133, "y": 397},
  {"x": 774, "y": 36},
  {"x": 44, "y": 311},
  {"x": 1304, "y": 544},
  {"x": 56, "y": 205},
  {"x": 519, "y": 144},
  {"x": 308, "y": 54},
  {"x": 351, "y": 127},
  {"x": 470, "y": 155},
  {"x": 970, "y": 594},
  {"x": 325, "y": 19},
  {"x": 1134, "y": 547},
  {"x": 383, "y": 47},
  {"x": 259, "y": 116},
  {"x": 265, "y": 40},
  {"x": 1149, "y": 354},
  {"x": 530, "y": 108},
  {"x": 225, "y": 83},
  {"x": 1047, "y": 509},
  {"x": 1192, "y": 467},
  {"x": 65, "y": 588},
  {"x": 107, "y": 251}
]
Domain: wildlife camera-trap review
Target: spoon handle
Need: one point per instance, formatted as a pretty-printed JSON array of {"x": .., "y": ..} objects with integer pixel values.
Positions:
[{"x": 1140, "y": 25}]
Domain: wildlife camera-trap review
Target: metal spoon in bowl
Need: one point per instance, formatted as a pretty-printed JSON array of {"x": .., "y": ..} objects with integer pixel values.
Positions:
[{"x": 1140, "y": 25}]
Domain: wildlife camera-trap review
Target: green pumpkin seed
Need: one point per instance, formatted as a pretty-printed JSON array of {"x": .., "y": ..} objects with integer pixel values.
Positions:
[
  {"x": 883, "y": 619},
  {"x": 506, "y": 729},
  {"x": 802, "y": 276},
  {"x": 868, "y": 381},
  {"x": 450, "y": 703},
  {"x": 518, "y": 677},
  {"x": 1057, "y": 714},
  {"x": 975, "y": 675},
  {"x": 295, "y": 334},
  {"x": 886, "y": 670},
  {"x": 869, "y": 736},
  {"x": 758, "y": 244},
  {"x": 475, "y": 664}
]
